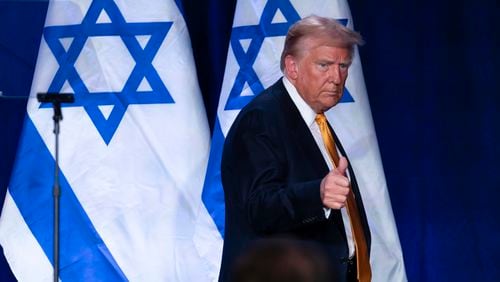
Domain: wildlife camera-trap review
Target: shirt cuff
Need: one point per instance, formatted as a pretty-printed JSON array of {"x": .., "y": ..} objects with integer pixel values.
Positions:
[{"x": 327, "y": 212}]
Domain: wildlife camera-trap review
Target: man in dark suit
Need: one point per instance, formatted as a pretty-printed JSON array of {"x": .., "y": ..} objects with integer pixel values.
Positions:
[{"x": 280, "y": 178}]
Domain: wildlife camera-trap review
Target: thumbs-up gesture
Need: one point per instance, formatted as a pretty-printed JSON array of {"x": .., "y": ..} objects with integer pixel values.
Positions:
[{"x": 335, "y": 186}]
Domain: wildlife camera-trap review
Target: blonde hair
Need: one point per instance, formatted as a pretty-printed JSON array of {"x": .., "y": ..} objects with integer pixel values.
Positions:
[{"x": 318, "y": 27}]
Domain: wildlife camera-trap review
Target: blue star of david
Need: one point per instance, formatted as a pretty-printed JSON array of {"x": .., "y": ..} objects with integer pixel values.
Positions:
[
  {"x": 257, "y": 34},
  {"x": 143, "y": 68}
]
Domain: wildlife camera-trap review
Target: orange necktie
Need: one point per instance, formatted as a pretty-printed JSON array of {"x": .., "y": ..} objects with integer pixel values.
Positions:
[{"x": 362, "y": 258}]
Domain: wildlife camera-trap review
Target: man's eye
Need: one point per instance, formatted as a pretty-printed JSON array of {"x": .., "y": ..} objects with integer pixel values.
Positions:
[{"x": 323, "y": 65}]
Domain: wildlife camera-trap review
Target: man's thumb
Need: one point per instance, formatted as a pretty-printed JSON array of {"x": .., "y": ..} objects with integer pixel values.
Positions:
[{"x": 340, "y": 169}]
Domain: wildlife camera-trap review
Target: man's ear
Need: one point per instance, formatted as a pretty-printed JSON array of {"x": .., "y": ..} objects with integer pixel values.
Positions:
[{"x": 291, "y": 68}]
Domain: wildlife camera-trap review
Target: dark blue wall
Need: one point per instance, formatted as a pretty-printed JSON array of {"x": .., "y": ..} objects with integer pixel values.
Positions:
[
  {"x": 432, "y": 72},
  {"x": 21, "y": 24}
]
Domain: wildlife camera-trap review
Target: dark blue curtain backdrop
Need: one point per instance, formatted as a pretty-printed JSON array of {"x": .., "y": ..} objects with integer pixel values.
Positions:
[{"x": 432, "y": 74}]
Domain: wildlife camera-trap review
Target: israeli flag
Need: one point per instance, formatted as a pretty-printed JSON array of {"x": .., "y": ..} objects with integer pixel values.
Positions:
[
  {"x": 133, "y": 151},
  {"x": 257, "y": 39}
]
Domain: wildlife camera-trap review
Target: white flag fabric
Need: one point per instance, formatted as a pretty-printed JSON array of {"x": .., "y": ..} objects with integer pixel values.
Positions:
[
  {"x": 257, "y": 39},
  {"x": 133, "y": 151}
]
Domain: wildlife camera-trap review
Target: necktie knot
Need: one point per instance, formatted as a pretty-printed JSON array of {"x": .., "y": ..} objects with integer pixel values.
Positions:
[
  {"x": 320, "y": 118},
  {"x": 327, "y": 138}
]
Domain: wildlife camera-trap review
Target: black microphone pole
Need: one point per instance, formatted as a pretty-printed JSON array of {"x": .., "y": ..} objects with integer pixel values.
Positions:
[{"x": 56, "y": 99}]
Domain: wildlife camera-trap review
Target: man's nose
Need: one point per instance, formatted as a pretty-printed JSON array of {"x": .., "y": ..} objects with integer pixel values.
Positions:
[{"x": 334, "y": 74}]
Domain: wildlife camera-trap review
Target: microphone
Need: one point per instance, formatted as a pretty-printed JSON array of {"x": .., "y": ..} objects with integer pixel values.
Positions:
[
  {"x": 55, "y": 97},
  {"x": 44, "y": 97}
]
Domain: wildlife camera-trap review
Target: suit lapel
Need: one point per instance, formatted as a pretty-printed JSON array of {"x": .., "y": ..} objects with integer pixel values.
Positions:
[
  {"x": 305, "y": 141},
  {"x": 300, "y": 132}
]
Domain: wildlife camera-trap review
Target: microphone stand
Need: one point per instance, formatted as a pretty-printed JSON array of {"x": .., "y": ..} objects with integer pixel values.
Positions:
[{"x": 56, "y": 100}]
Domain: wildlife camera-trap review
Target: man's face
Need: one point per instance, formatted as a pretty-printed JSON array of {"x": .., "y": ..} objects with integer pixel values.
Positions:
[{"x": 319, "y": 73}]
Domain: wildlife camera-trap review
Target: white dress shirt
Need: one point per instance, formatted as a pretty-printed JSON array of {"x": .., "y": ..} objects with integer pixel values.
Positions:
[{"x": 309, "y": 116}]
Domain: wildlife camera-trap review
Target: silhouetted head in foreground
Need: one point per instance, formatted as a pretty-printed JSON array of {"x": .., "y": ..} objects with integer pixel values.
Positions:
[{"x": 281, "y": 260}]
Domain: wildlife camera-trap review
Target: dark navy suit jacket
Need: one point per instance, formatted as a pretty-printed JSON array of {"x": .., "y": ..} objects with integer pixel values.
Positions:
[{"x": 271, "y": 173}]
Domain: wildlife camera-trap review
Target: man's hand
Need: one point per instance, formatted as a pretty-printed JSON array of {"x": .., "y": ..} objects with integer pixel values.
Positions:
[{"x": 335, "y": 186}]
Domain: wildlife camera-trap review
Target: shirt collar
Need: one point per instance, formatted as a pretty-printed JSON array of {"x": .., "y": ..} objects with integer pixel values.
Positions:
[{"x": 307, "y": 113}]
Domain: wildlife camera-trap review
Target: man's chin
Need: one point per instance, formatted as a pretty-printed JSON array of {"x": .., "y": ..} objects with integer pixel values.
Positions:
[{"x": 333, "y": 100}]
